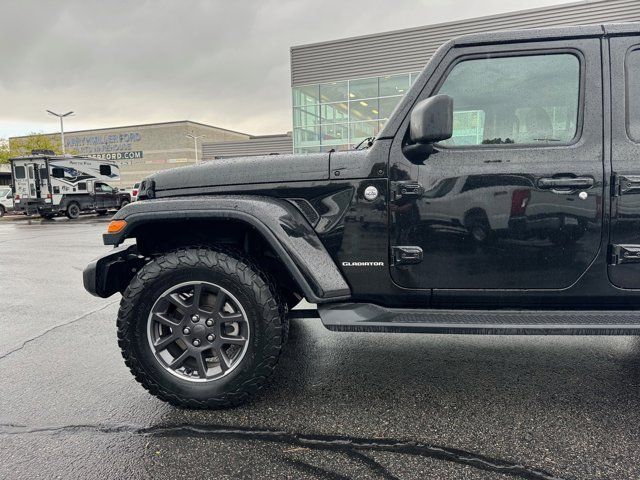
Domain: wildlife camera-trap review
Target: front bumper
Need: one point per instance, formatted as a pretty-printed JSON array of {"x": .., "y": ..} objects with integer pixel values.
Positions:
[{"x": 111, "y": 273}]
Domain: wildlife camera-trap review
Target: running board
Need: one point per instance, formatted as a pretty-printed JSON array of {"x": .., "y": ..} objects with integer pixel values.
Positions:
[{"x": 363, "y": 317}]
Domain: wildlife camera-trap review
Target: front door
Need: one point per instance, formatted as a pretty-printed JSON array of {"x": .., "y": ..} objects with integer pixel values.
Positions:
[{"x": 514, "y": 199}]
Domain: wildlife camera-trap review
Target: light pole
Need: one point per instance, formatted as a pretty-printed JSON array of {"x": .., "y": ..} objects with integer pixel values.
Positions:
[
  {"x": 195, "y": 143},
  {"x": 61, "y": 116}
]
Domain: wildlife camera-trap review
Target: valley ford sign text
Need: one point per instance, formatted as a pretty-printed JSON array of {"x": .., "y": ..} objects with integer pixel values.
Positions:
[{"x": 108, "y": 143}]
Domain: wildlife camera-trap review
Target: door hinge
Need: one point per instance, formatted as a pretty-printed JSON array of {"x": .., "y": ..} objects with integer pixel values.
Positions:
[
  {"x": 619, "y": 254},
  {"x": 406, "y": 189},
  {"x": 622, "y": 184},
  {"x": 408, "y": 255}
]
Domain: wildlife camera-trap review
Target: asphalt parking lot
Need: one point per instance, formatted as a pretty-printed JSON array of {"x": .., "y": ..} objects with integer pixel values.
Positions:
[{"x": 339, "y": 405}]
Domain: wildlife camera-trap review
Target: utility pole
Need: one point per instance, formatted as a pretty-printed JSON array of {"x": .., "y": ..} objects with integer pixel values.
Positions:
[
  {"x": 61, "y": 116},
  {"x": 195, "y": 143}
]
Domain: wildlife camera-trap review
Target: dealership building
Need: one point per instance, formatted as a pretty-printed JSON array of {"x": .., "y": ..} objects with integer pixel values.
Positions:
[{"x": 344, "y": 90}]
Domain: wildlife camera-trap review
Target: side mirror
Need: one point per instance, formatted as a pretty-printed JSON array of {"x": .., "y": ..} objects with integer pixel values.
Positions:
[{"x": 431, "y": 120}]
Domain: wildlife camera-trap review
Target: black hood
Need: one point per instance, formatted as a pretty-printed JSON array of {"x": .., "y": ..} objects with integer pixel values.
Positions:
[{"x": 245, "y": 170}]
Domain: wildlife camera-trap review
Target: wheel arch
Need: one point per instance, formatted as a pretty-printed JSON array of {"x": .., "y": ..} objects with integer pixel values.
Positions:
[{"x": 233, "y": 221}]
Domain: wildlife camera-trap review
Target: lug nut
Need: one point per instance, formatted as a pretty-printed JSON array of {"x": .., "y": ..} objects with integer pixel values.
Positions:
[
  {"x": 195, "y": 318},
  {"x": 186, "y": 331},
  {"x": 196, "y": 343},
  {"x": 209, "y": 322},
  {"x": 211, "y": 337}
]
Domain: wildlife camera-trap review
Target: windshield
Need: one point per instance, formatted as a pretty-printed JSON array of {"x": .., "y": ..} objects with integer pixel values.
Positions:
[{"x": 4, "y": 192}]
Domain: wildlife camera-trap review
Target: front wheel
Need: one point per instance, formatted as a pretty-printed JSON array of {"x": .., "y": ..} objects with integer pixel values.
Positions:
[
  {"x": 200, "y": 328},
  {"x": 124, "y": 203}
]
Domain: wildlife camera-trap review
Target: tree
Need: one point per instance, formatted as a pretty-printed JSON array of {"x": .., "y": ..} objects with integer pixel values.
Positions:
[
  {"x": 5, "y": 153},
  {"x": 19, "y": 146}
]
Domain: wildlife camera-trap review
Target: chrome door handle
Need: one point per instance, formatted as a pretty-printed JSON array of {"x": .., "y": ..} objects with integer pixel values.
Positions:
[{"x": 565, "y": 184}]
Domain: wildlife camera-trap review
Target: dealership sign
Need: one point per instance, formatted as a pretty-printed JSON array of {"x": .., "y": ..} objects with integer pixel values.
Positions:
[
  {"x": 105, "y": 144},
  {"x": 118, "y": 155}
]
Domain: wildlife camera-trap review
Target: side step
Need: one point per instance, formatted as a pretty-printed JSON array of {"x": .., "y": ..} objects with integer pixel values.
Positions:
[{"x": 363, "y": 317}]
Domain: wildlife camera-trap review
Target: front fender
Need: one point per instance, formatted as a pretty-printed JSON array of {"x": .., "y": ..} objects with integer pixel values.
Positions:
[{"x": 281, "y": 224}]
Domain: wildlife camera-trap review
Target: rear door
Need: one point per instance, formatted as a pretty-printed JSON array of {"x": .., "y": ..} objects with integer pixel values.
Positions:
[
  {"x": 513, "y": 200},
  {"x": 624, "y": 251}
]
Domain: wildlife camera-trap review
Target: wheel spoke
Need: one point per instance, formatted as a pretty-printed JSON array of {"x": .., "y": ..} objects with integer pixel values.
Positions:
[
  {"x": 179, "y": 361},
  {"x": 221, "y": 300},
  {"x": 233, "y": 340},
  {"x": 225, "y": 362},
  {"x": 201, "y": 365},
  {"x": 163, "y": 320},
  {"x": 231, "y": 317},
  {"x": 164, "y": 342},
  {"x": 197, "y": 294},
  {"x": 175, "y": 299}
]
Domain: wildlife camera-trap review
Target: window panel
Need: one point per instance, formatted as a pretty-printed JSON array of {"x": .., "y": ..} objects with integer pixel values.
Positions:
[
  {"x": 306, "y": 116},
  {"x": 523, "y": 100},
  {"x": 334, "y": 134},
  {"x": 334, "y": 112},
  {"x": 333, "y": 92},
  {"x": 363, "y": 88},
  {"x": 306, "y": 95},
  {"x": 361, "y": 130},
  {"x": 414, "y": 76},
  {"x": 387, "y": 105},
  {"x": 394, "y": 85},
  {"x": 633, "y": 95},
  {"x": 360, "y": 110},
  {"x": 304, "y": 137}
]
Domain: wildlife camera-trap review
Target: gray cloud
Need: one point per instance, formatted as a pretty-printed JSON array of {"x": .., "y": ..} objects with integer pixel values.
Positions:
[{"x": 219, "y": 62}]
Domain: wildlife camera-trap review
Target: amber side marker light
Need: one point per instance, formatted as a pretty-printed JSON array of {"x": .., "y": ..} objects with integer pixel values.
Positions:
[{"x": 116, "y": 226}]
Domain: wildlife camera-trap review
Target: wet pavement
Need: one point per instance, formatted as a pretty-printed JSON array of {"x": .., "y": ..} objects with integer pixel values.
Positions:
[{"x": 340, "y": 405}]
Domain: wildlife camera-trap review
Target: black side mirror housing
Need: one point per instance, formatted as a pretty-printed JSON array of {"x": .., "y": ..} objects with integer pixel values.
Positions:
[{"x": 431, "y": 120}]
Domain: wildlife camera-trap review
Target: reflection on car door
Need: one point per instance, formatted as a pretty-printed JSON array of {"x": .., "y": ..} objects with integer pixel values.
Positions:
[{"x": 513, "y": 199}]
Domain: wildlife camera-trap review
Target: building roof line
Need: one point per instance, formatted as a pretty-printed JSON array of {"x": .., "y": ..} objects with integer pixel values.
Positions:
[
  {"x": 140, "y": 125},
  {"x": 453, "y": 23}
]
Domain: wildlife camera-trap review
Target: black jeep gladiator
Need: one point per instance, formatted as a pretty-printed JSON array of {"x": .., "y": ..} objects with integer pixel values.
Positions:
[{"x": 502, "y": 196}]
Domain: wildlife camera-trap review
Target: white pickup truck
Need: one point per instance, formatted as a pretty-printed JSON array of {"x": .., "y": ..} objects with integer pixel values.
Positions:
[{"x": 6, "y": 200}]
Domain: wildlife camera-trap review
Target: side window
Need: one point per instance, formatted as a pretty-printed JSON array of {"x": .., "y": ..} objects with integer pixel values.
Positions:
[
  {"x": 82, "y": 185},
  {"x": 532, "y": 99},
  {"x": 633, "y": 94},
  {"x": 19, "y": 172},
  {"x": 105, "y": 170},
  {"x": 57, "y": 172}
]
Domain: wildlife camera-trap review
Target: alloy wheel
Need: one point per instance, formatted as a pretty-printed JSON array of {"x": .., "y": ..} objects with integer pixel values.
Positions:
[{"x": 198, "y": 331}]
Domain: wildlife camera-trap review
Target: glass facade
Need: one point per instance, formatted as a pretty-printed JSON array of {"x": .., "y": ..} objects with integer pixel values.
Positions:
[{"x": 339, "y": 115}]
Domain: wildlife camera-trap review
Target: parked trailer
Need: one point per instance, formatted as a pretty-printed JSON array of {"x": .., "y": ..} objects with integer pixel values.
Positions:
[{"x": 51, "y": 185}]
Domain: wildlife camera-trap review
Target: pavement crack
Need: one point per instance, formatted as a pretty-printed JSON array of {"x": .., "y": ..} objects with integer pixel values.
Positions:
[
  {"x": 313, "y": 470},
  {"x": 373, "y": 465},
  {"x": 55, "y": 327},
  {"x": 337, "y": 444}
]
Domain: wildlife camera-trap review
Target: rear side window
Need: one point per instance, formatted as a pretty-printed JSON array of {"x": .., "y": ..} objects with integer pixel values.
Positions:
[
  {"x": 530, "y": 99},
  {"x": 19, "y": 172},
  {"x": 633, "y": 94}
]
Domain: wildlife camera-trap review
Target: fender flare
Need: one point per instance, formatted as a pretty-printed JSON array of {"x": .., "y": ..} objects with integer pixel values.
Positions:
[{"x": 280, "y": 223}]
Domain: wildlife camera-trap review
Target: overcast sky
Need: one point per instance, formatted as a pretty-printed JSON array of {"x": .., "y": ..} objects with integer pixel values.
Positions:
[{"x": 222, "y": 62}]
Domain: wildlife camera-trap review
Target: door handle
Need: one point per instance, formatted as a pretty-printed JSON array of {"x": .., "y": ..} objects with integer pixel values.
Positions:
[{"x": 565, "y": 184}]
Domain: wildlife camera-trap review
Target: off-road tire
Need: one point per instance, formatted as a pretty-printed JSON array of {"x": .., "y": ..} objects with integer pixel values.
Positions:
[
  {"x": 124, "y": 203},
  {"x": 73, "y": 211},
  {"x": 259, "y": 298}
]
